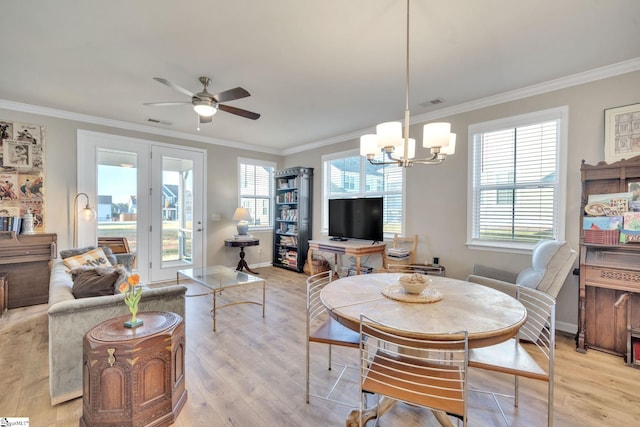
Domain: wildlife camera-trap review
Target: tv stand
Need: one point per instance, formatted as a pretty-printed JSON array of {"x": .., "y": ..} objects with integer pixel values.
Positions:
[{"x": 356, "y": 248}]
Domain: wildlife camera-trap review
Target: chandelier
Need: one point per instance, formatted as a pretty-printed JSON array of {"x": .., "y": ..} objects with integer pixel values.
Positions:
[{"x": 393, "y": 140}]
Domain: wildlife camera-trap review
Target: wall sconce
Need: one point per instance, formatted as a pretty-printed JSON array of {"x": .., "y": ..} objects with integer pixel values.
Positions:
[{"x": 87, "y": 214}]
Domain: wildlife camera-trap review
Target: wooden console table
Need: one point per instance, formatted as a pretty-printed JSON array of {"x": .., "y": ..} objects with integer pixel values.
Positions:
[
  {"x": 356, "y": 248},
  {"x": 134, "y": 377}
]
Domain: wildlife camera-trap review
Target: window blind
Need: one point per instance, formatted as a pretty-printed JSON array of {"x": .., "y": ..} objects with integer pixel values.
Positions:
[
  {"x": 256, "y": 191},
  {"x": 515, "y": 183}
]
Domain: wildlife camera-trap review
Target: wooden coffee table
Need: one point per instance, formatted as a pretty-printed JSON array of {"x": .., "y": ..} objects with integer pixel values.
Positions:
[{"x": 218, "y": 278}]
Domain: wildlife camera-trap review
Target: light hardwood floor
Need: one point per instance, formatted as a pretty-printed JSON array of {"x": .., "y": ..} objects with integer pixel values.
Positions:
[{"x": 251, "y": 372}]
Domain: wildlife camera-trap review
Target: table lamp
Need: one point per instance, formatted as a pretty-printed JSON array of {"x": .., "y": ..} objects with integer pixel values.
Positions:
[{"x": 242, "y": 215}]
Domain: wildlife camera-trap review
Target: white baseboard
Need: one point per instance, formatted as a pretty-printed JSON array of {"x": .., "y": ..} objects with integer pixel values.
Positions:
[{"x": 566, "y": 327}]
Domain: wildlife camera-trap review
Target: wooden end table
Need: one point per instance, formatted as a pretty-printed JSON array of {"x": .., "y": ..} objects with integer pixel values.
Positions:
[
  {"x": 134, "y": 376},
  {"x": 242, "y": 243}
]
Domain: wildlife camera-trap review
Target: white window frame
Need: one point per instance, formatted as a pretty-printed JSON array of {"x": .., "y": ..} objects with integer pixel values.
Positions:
[
  {"x": 362, "y": 193},
  {"x": 263, "y": 163},
  {"x": 562, "y": 115}
]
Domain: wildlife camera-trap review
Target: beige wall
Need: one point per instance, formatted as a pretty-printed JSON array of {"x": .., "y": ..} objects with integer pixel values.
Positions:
[
  {"x": 436, "y": 196},
  {"x": 222, "y": 184}
]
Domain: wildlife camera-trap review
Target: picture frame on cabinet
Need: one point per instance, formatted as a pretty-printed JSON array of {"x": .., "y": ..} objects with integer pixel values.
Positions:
[{"x": 621, "y": 133}]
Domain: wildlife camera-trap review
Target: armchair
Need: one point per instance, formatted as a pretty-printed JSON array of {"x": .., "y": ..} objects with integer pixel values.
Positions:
[{"x": 551, "y": 262}]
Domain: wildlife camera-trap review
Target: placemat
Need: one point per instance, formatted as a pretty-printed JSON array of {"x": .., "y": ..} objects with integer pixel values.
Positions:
[{"x": 397, "y": 292}]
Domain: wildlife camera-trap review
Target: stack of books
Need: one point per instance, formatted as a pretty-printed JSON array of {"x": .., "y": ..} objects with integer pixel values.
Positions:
[{"x": 399, "y": 253}]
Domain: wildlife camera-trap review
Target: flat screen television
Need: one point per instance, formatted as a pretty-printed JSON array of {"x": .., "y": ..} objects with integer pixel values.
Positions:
[{"x": 356, "y": 219}]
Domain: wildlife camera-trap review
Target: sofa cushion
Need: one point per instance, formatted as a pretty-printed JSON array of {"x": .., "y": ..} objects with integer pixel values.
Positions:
[
  {"x": 92, "y": 282},
  {"x": 93, "y": 258}
]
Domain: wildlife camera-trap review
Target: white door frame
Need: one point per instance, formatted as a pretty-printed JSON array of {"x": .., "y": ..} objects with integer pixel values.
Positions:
[{"x": 88, "y": 144}]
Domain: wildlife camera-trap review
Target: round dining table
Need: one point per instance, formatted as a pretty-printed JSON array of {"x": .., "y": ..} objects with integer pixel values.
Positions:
[{"x": 489, "y": 316}]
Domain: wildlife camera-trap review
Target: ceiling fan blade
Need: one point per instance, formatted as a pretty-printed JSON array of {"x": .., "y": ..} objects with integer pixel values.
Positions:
[
  {"x": 239, "y": 112},
  {"x": 165, "y": 104},
  {"x": 173, "y": 86},
  {"x": 231, "y": 94},
  {"x": 204, "y": 119}
]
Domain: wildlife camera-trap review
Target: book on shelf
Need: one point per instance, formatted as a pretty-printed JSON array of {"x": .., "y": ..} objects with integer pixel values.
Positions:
[{"x": 11, "y": 223}]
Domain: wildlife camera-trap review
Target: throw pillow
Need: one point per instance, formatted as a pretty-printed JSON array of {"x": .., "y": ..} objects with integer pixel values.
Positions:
[
  {"x": 93, "y": 282},
  {"x": 66, "y": 253},
  {"x": 93, "y": 258}
]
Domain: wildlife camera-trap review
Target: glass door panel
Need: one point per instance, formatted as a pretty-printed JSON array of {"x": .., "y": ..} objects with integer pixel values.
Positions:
[
  {"x": 117, "y": 205},
  {"x": 175, "y": 212}
]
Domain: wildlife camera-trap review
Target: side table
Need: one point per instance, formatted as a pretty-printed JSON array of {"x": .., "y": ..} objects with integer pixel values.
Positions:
[
  {"x": 134, "y": 376},
  {"x": 242, "y": 243}
]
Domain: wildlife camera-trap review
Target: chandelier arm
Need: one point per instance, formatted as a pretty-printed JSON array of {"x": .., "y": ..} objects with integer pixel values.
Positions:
[
  {"x": 431, "y": 161},
  {"x": 378, "y": 162}
]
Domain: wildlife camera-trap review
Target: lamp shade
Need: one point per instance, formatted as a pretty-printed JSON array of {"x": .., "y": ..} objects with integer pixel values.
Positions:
[
  {"x": 241, "y": 214},
  {"x": 88, "y": 214},
  {"x": 389, "y": 134},
  {"x": 436, "y": 134},
  {"x": 369, "y": 144},
  {"x": 412, "y": 149},
  {"x": 451, "y": 148}
]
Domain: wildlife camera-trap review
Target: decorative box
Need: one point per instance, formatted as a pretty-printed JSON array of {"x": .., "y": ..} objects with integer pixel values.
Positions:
[
  {"x": 602, "y": 222},
  {"x": 602, "y": 237}
]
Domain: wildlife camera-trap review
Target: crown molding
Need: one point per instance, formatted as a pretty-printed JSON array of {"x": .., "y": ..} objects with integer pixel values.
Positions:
[
  {"x": 595, "y": 74},
  {"x": 85, "y": 118}
]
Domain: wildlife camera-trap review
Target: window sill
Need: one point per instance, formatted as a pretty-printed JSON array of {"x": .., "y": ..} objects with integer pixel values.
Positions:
[{"x": 496, "y": 246}]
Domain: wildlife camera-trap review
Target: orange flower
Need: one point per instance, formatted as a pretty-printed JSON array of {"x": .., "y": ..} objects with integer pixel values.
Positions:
[
  {"x": 124, "y": 287},
  {"x": 134, "y": 279}
]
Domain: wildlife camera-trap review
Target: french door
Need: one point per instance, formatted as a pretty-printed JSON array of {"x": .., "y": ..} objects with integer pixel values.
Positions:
[{"x": 150, "y": 193}]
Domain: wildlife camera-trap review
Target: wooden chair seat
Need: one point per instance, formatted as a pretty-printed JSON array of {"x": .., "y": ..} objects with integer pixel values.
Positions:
[
  {"x": 509, "y": 357},
  {"x": 412, "y": 381},
  {"x": 332, "y": 332}
]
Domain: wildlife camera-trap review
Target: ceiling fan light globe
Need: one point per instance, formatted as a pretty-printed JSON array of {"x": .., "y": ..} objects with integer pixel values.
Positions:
[{"x": 204, "y": 110}]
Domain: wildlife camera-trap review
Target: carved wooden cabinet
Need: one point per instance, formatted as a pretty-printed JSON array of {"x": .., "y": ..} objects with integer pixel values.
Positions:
[
  {"x": 25, "y": 258},
  {"x": 609, "y": 301},
  {"x": 134, "y": 377}
]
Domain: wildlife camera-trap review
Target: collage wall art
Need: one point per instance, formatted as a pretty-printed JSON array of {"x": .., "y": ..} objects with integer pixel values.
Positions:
[{"x": 22, "y": 171}]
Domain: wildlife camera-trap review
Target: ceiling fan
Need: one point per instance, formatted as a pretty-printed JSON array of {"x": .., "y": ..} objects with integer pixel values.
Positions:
[{"x": 205, "y": 104}]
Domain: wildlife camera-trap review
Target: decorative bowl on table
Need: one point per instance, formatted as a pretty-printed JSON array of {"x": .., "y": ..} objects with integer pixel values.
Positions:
[{"x": 414, "y": 283}]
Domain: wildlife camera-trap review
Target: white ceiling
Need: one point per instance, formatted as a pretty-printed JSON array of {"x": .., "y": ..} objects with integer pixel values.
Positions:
[{"x": 316, "y": 70}]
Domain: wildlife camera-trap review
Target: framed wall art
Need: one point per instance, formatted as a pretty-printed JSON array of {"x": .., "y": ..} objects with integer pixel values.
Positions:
[
  {"x": 621, "y": 133},
  {"x": 22, "y": 171}
]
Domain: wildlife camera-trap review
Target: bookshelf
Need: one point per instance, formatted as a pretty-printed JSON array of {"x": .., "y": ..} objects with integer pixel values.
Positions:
[{"x": 292, "y": 217}]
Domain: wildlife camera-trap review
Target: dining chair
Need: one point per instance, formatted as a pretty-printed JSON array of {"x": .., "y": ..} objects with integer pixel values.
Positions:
[
  {"x": 517, "y": 356},
  {"x": 427, "y": 373},
  {"x": 323, "y": 329}
]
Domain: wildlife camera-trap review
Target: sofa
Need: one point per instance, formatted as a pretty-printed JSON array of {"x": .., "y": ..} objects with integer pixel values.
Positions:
[{"x": 70, "y": 319}]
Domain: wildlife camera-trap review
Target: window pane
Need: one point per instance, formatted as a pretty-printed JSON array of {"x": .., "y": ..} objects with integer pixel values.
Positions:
[
  {"x": 354, "y": 176},
  {"x": 256, "y": 184},
  {"x": 516, "y": 183}
]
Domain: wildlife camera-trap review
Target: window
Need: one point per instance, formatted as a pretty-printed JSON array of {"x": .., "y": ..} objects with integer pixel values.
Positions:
[
  {"x": 256, "y": 190},
  {"x": 349, "y": 175},
  {"x": 517, "y": 180}
]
